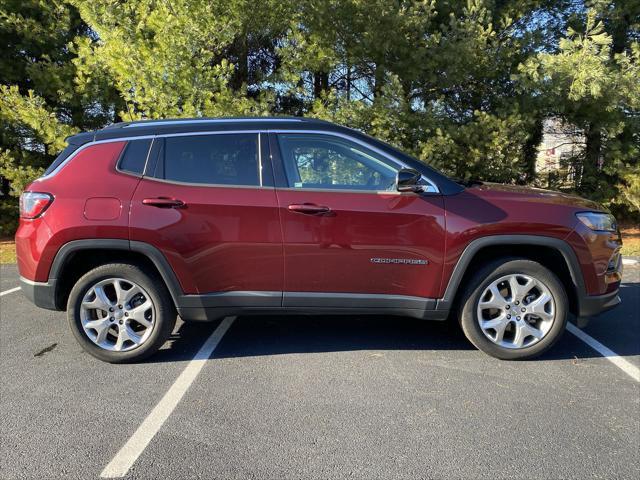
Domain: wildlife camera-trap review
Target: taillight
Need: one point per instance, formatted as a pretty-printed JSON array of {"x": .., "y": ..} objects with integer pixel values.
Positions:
[{"x": 33, "y": 204}]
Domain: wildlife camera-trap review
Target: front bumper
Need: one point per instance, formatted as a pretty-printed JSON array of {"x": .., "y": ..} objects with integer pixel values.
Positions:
[
  {"x": 592, "y": 305},
  {"x": 41, "y": 294}
]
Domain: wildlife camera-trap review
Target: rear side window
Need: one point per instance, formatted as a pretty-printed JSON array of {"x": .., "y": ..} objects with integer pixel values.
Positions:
[
  {"x": 134, "y": 156},
  {"x": 220, "y": 159}
]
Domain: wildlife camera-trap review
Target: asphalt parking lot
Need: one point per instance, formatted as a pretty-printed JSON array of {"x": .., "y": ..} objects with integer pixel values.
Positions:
[{"x": 315, "y": 397}]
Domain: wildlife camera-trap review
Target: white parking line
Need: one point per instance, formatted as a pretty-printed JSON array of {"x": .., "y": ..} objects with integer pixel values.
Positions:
[
  {"x": 129, "y": 453},
  {"x": 613, "y": 357},
  {"x": 7, "y": 292}
]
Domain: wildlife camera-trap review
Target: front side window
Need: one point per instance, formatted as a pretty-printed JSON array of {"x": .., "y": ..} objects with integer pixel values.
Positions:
[
  {"x": 220, "y": 159},
  {"x": 327, "y": 162}
]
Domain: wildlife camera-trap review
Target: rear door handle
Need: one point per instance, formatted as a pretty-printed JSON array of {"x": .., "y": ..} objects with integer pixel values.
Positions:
[
  {"x": 309, "y": 208},
  {"x": 163, "y": 202}
]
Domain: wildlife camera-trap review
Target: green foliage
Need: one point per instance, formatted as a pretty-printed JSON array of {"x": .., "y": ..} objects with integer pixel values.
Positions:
[
  {"x": 592, "y": 82},
  {"x": 461, "y": 84},
  {"x": 30, "y": 112},
  {"x": 631, "y": 188},
  {"x": 167, "y": 59},
  {"x": 9, "y": 215},
  {"x": 19, "y": 176},
  {"x": 489, "y": 147}
]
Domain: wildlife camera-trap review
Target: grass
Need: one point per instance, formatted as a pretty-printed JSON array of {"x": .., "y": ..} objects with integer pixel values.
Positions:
[
  {"x": 630, "y": 240},
  {"x": 7, "y": 251}
]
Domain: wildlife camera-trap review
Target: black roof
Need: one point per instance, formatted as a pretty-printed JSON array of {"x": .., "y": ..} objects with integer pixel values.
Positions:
[{"x": 186, "y": 125}]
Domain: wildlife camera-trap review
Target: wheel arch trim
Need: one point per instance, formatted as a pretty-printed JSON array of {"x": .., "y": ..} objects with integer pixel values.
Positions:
[
  {"x": 149, "y": 251},
  {"x": 469, "y": 253}
]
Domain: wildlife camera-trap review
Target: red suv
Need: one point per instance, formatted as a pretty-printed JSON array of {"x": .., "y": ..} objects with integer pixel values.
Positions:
[{"x": 204, "y": 218}]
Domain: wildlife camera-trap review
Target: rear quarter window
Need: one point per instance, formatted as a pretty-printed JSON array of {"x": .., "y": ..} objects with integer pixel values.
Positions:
[
  {"x": 61, "y": 158},
  {"x": 134, "y": 157}
]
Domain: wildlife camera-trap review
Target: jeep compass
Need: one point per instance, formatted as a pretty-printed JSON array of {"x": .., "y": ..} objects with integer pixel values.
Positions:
[{"x": 139, "y": 222}]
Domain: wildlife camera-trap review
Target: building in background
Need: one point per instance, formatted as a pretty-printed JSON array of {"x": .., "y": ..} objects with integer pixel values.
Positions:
[{"x": 561, "y": 145}]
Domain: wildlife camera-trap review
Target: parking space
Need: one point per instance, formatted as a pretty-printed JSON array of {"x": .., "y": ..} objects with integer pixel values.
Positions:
[
  {"x": 620, "y": 328},
  {"x": 8, "y": 277},
  {"x": 316, "y": 397}
]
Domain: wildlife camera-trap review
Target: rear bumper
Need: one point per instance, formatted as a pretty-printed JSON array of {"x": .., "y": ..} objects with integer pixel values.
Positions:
[{"x": 41, "y": 294}]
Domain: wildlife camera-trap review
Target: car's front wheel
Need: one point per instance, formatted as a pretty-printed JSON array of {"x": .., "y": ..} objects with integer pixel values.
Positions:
[
  {"x": 120, "y": 312},
  {"x": 513, "y": 309}
]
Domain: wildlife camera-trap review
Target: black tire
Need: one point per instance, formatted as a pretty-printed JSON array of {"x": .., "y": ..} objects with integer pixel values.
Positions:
[
  {"x": 492, "y": 271},
  {"x": 165, "y": 313}
]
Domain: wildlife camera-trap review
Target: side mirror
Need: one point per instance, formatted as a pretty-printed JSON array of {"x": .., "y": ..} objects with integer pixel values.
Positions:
[{"x": 407, "y": 180}]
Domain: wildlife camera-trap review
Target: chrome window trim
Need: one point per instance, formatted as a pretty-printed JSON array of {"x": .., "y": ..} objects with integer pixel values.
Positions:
[
  {"x": 345, "y": 190},
  {"x": 140, "y": 137},
  {"x": 260, "y": 158},
  {"x": 431, "y": 187},
  {"x": 146, "y": 162},
  {"x": 213, "y": 185},
  {"x": 90, "y": 144}
]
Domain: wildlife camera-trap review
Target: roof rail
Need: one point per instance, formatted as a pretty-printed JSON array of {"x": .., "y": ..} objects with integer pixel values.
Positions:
[{"x": 187, "y": 121}]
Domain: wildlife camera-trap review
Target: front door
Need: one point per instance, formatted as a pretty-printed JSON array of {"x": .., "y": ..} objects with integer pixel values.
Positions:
[{"x": 348, "y": 234}]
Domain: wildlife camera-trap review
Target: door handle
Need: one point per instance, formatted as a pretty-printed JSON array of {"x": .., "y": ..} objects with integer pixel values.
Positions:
[
  {"x": 163, "y": 202},
  {"x": 309, "y": 208}
]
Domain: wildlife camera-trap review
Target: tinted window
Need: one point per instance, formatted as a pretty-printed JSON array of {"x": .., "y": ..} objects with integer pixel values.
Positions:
[
  {"x": 323, "y": 161},
  {"x": 135, "y": 156},
  {"x": 224, "y": 159},
  {"x": 61, "y": 158}
]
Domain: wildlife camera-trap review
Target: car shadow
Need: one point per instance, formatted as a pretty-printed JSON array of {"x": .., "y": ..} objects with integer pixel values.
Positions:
[
  {"x": 252, "y": 336},
  {"x": 285, "y": 334}
]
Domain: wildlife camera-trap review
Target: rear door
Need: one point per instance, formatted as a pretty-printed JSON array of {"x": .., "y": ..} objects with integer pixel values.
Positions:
[
  {"x": 346, "y": 229},
  {"x": 207, "y": 202}
]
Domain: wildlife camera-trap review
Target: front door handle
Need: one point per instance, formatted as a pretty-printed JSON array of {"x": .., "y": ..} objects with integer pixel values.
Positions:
[
  {"x": 309, "y": 208},
  {"x": 163, "y": 202}
]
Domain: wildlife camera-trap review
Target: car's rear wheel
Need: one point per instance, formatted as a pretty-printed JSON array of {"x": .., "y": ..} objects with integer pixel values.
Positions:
[
  {"x": 513, "y": 309},
  {"x": 120, "y": 312}
]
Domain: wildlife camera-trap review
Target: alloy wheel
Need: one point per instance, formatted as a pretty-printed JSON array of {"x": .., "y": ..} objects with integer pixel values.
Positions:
[
  {"x": 516, "y": 311},
  {"x": 117, "y": 314}
]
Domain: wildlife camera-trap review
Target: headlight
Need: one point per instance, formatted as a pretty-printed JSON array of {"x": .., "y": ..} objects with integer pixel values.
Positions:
[{"x": 598, "y": 221}]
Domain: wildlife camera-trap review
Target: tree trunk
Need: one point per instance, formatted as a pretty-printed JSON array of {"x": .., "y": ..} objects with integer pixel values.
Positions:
[
  {"x": 592, "y": 158},
  {"x": 378, "y": 80},
  {"x": 348, "y": 86},
  {"x": 241, "y": 74},
  {"x": 320, "y": 83},
  {"x": 531, "y": 150},
  {"x": 620, "y": 33}
]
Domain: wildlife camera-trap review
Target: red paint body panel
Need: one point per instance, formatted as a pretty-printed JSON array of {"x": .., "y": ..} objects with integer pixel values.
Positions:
[
  {"x": 90, "y": 174},
  {"x": 595, "y": 250},
  {"x": 102, "y": 208},
  {"x": 509, "y": 210},
  {"x": 223, "y": 239},
  {"x": 332, "y": 252}
]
